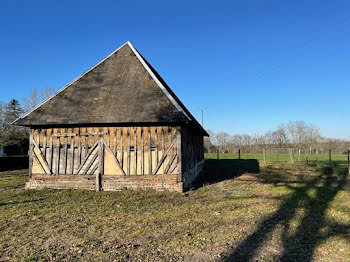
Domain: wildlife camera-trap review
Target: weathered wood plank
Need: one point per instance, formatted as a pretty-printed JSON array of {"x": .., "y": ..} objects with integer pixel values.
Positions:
[
  {"x": 86, "y": 145},
  {"x": 170, "y": 163},
  {"x": 156, "y": 143},
  {"x": 38, "y": 137},
  {"x": 38, "y": 161},
  {"x": 44, "y": 143},
  {"x": 142, "y": 153},
  {"x": 115, "y": 142},
  {"x": 58, "y": 156},
  {"x": 71, "y": 155},
  {"x": 30, "y": 152},
  {"x": 79, "y": 149},
  {"x": 121, "y": 148},
  {"x": 179, "y": 155},
  {"x": 87, "y": 157},
  {"x": 163, "y": 157},
  {"x": 135, "y": 152},
  {"x": 100, "y": 164},
  {"x": 116, "y": 161},
  {"x": 65, "y": 155},
  {"x": 42, "y": 156},
  {"x": 149, "y": 151},
  {"x": 128, "y": 150},
  {"x": 51, "y": 152}
]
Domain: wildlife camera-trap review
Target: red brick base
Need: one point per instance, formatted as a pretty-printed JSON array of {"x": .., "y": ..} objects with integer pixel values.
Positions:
[{"x": 109, "y": 182}]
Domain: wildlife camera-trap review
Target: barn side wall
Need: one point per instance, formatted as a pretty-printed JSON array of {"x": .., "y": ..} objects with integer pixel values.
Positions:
[
  {"x": 106, "y": 158},
  {"x": 192, "y": 155}
]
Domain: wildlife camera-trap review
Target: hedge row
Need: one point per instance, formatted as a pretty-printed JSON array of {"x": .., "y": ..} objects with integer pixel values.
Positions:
[{"x": 13, "y": 162}]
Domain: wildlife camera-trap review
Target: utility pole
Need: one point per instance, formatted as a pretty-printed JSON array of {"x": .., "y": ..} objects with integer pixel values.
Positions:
[{"x": 202, "y": 109}]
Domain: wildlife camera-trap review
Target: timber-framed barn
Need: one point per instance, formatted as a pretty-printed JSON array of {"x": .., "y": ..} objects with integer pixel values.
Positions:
[{"x": 116, "y": 126}]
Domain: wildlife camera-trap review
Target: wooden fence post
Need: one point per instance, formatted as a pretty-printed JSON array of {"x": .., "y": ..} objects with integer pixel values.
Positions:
[
  {"x": 239, "y": 153},
  {"x": 291, "y": 155},
  {"x": 264, "y": 151},
  {"x": 330, "y": 159},
  {"x": 299, "y": 155},
  {"x": 217, "y": 154},
  {"x": 349, "y": 161}
]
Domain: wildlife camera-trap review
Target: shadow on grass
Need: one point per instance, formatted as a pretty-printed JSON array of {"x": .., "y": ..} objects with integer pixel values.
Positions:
[
  {"x": 22, "y": 202},
  {"x": 216, "y": 171},
  {"x": 314, "y": 195}
]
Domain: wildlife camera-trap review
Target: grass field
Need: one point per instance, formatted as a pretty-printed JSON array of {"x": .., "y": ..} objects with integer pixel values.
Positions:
[
  {"x": 323, "y": 159},
  {"x": 237, "y": 211}
]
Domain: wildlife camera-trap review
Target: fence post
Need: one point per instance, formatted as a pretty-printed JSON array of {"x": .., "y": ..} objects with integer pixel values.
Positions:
[
  {"x": 239, "y": 153},
  {"x": 307, "y": 160},
  {"x": 349, "y": 161},
  {"x": 217, "y": 154},
  {"x": 291, "y": 155},
  {"x": 330, "y": 159},
  {"x": 299, "y": 155},
  {"x": 317, "y": 156},
  {"x": 264, "y": 151}
]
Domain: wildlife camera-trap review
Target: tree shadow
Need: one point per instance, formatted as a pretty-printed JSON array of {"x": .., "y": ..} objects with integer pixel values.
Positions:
[
  {"x": 22, "y": 202},
  {"x": 314, "y": 196},
  {"x": 215, "y": 171}
]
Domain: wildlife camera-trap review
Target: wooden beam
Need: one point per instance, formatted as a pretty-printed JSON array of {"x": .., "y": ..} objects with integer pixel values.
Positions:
[
  {"x": 163, "y": 157},
  {"x": 135, "y": 151},
  {"x": 179, "y": 154},
  {"x": 30, "y": 152},
  {"x": 42, "y": 156},
  {"x": 44, "y": 144},
  {"x": 57, "y": 156},
  {"x": 170, "y": 163},
  {"x": 100, "y": 164},
  {"x": 128, "y": 150},
  {"x": 87, "y": 156},
  {"x": 51, "y": 152},
  {"x": 37, "y": 160},
  {"x": 115, "y": 142},
  {"x": 149, "y": 151},
  {"x": 121, "y": 148},
  {"x": 142, "y": 153},
  {"x": 156, "y": 143},
  {"x": 72, "y": 155},
  {"x": 116, "y": 160},
  {"x": 65, "y": 157},
  {"x": 79, "y": 149}
]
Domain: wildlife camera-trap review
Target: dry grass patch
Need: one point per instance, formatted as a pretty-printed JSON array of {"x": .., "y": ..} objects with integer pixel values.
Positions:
[{"x": 277, "y": 213}]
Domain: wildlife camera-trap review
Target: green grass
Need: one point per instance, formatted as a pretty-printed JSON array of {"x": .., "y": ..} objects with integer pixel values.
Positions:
[
  {"x": 287, "y": 212},
  {"x": 323, "y": 159}
]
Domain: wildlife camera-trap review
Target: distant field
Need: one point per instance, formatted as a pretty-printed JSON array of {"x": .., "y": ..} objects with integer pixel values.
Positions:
[
  {"x": 237, "y": 211},
  {"x": 338, "y": 159}
]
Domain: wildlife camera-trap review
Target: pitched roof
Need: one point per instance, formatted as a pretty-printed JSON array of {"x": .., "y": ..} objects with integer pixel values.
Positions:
[{"x": 122, "y": 88}]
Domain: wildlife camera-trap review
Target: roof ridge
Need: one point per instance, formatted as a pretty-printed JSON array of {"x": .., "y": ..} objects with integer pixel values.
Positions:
[
  {"x": 158, "y": 82},
  {"x": 166, "y": 89}
]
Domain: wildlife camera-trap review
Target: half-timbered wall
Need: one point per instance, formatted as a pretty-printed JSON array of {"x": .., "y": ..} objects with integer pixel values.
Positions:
[
  {"x": 127, "y": 150},
  {"x": 192, "y": 152}
]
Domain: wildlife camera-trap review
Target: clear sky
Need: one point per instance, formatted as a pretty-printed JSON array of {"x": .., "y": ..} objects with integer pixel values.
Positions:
[{"x": 252, "y": 64}]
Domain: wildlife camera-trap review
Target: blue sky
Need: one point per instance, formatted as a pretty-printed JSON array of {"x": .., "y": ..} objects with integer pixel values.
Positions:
[{"x": 252, "y": 64}]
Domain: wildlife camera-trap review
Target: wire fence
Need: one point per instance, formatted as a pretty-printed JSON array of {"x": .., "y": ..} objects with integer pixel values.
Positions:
[{"x": 313, "y": 159}]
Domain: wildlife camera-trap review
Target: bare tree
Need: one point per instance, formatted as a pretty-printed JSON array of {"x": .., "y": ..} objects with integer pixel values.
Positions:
[
  {"x": 223, "y": 139},
  {"x": 36, "y": 97}
]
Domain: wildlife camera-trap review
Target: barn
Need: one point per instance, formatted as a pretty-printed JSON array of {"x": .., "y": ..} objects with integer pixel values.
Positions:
[{"x": 116, "y": 126}]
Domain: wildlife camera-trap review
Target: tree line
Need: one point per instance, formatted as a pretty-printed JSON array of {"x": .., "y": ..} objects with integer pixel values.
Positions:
[
  {"x": 12, "y": 137},
  {"x": 290, "y": 137}
]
